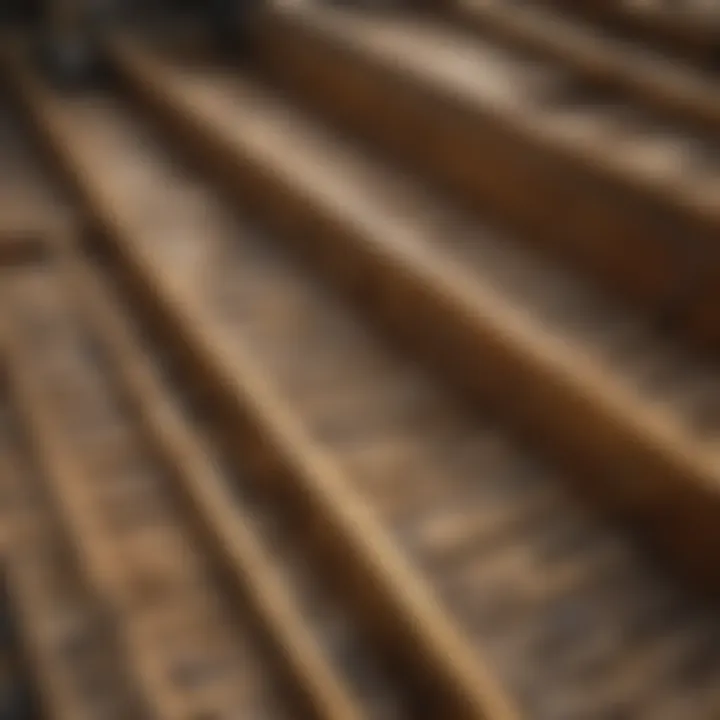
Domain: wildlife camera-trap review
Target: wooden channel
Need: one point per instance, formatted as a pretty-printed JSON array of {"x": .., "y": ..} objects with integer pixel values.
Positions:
[
  {"x": 60, "y": 627},
  {"x": 583, "y": 175},
  {"x": 691, "y": 33},
  {"x": 644, "y": 78},
  {"x": 353, "y": 432}
]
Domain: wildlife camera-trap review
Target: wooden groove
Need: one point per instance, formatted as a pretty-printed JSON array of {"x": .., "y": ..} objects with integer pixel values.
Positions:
[
  {"x": 247, "y": 565},
  {"x": 653, "y": 81},
  {"x": 679, "y": 33},
  {"x": 634, "y": 232},
  {"x": 52, "y": 693},
  {"x": 60, "y": 471},
  {"x": 396, "y": 605},
  {"x": 156, "y": 599},
  {"x": 54, "y": 698},
  {"x": 622, "y": 453},
  {"x": 67, "y": 654}
]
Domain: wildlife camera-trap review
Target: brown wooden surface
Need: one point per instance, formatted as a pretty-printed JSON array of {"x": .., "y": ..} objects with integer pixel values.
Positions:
[
  {"x": 231, "y": 528},
  {"x": 689, "y": 29},
  {"x": 512, "y": 557},
  {"x": 410, "y": 625},
  {"x": 494, "y": 591},
  {"x": 59, "y": 624},
  {"x": 640, "y": 76},
  {"x": 54, "y": 302},
  {"x": 116, "y": 505},
  {"x": 588, "y": 383},
  {"x": 588, "y": 177}
]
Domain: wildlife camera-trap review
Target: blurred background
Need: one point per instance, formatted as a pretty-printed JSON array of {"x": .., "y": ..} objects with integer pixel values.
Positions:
[{"x": 359, "y": 360}]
